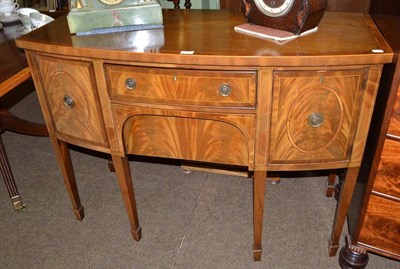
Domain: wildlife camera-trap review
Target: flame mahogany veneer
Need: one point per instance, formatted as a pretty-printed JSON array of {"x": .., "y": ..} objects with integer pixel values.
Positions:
[{"x": 236, "y": 100}]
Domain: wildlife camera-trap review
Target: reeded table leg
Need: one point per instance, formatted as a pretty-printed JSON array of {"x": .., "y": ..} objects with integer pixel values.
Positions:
[
  {"x": 15, "y": 124},
  {"x": 123, "y": 173},
  {"x": 259, "y": 184},
  {"x": 343, "y": 205},
  {"x": 9, "y": 179},
  {"x": 64, "y": 161}
]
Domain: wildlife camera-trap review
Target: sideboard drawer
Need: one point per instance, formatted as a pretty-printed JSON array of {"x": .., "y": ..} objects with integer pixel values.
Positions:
[
  {"x": 315, "y": 114},
  {"x": 394, "y": 126},
  {"x": 216, "y": 138},
  {"x": 181, "y": 86}
]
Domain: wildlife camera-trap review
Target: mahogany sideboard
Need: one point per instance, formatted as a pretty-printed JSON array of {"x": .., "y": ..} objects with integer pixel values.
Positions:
[{"x": 197, "y": 90}]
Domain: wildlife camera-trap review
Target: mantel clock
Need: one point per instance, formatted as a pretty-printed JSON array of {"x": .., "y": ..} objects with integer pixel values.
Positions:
[{"x": 295, "y": 16}]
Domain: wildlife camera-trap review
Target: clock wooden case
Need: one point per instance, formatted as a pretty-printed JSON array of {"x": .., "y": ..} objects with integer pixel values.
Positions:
[{"x": 295, "y": 16}]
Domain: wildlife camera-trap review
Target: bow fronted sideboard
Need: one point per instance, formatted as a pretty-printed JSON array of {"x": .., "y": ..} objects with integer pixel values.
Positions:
[{"x": 197, "y": 90}]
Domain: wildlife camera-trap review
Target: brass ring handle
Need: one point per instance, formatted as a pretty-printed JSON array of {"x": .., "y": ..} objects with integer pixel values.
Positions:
[
  {"x": 225, "y": 90},
  {"x": 130, "y": 83},
  {"x": 316, "y": 119},
  {"x": 68, "y": 101}
]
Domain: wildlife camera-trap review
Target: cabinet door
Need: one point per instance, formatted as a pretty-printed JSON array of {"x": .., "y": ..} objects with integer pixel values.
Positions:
[
  {"x": 315, "y": 114},
  {"x": 70, "y": 93}
]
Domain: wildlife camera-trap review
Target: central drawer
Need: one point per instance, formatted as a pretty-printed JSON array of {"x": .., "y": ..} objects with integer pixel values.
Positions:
[{"x": 182, "y": 86}]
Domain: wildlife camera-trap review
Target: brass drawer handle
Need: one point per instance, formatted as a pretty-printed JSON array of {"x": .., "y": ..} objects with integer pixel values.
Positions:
[
  {"x": 225, "y": 90},
  {"x": 315, "y": 119},
  {"x": 68, "y": 101},
  {"x": 130, "y": 83}
]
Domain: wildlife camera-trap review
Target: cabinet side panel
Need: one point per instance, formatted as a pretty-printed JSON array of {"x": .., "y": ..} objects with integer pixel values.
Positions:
[
  {"x": 381, "y": 227},
  {"x": 387, "y": 180},
  {"x": 394, "y": 125}
]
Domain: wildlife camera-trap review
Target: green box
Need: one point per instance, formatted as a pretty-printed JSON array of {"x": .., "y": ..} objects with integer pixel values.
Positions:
[{"x": 95, "y": 15}]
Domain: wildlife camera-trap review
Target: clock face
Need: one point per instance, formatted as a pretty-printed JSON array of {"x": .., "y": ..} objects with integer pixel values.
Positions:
[{"x": 274, "y": 8}]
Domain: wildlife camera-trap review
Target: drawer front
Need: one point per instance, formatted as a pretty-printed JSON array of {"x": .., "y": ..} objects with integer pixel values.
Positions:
[
  {"x": 381, "y": 226},
  {"x": 178, "y": 86},
  {"x": 387, "y": 180},
  {"x": 315, "y": 115},
  {"x": 69, "y": 89},
  {"x": 223, "y": 139},
  {"x": 394, "y": 126}
]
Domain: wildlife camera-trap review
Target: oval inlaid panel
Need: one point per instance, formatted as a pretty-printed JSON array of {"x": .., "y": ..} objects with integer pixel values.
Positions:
[
  {"x": 321, "y": 101},
  {"x": 78, "y": 117},
  {"x": 72, "y": 80}
]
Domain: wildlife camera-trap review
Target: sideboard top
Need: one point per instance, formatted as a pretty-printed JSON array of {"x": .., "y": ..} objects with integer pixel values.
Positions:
[{"x": 341, "y": 39}]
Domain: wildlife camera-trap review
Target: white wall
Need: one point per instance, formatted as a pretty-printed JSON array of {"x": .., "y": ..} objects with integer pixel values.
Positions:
[{"x": 196, "y": 4}]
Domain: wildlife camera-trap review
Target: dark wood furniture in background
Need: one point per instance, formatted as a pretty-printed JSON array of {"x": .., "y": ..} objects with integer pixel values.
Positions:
[
  {"x": 227, "y": 4},
  {"x": 333, "y": 5},
  {"x": 237, "y": 100},
  {"x": 374, "y": 216},
  {"x": 14, "y": 71},
  {"x": 187, "y": 4},
  {"x": 224, "y": 4},
  {"x": 349, "y": 5}
]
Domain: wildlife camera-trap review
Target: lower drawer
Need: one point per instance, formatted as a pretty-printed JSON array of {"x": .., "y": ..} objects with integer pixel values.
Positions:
[
  {"x": 381, "y": 227},
  {"x": 198, "y": 139}
]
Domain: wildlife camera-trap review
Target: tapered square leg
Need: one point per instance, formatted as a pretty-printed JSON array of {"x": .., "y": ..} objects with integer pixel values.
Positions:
[
  {"x": 64, "y": 161},
  {"x": 259, "y": 185},
  {"x": 346, "y": 193},
  {"x": 330, "y": 186},
  {"x": 123, "y": 173}
]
